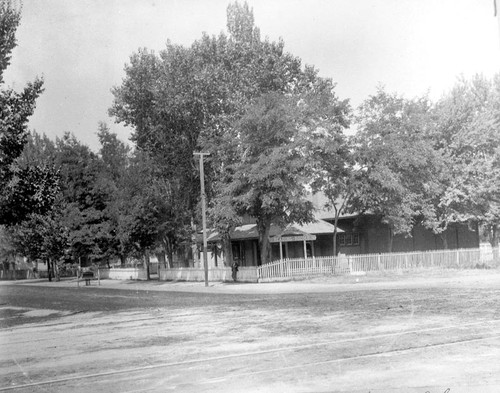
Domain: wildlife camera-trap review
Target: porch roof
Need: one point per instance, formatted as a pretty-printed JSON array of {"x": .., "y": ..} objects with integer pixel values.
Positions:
[{"x": 249, "y": 231}]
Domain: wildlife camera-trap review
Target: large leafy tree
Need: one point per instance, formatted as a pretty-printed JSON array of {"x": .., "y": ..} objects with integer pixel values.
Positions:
[
  {"x": 29, "y": 187},
  {"x": 166, "y": 121},
  {"x": 86, "y": 192},
  {"x": 15, "y": 109},
  {"x": 266, "y": 144},
  {"x": 397, "y": 161},
  {"x": 467, "y": 135},
  {"x": 269, "y": 181},
  {"x": 43, "y": 237},
  {"x": 252, "y": 70},
  {"x": 324, "y": 119},
  {"x": 34, "y": 187},
  {"x": 114, "y": 156},
  {"x": 148, "y": 216},
  {"x": 34, "y": 204},
  {"x": 289, "y": 142}
]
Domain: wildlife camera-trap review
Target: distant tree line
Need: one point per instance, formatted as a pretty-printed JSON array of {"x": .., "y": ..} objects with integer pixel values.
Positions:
[{"x": 275, "y": 131}]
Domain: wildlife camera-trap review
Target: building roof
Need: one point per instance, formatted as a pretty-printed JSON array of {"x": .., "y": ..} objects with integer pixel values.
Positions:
[
  {"x": 319, "y": 227},
  {"x": 249, "y": 231},
  {"x": 319, "y": 201}
]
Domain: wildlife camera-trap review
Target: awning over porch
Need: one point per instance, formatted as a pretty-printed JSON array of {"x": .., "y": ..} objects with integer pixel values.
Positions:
[{"x": 292, "y": 234}]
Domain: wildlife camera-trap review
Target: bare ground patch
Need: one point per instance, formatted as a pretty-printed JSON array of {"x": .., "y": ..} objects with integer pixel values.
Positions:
[{"x": 415, "y": 339}]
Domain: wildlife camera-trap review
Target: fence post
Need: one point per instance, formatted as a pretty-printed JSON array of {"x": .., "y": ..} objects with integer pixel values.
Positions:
[
  {"x": 349, "y": 264},
  {"x": 378, "y": 262},
  {"x": 458, "y": 259}
]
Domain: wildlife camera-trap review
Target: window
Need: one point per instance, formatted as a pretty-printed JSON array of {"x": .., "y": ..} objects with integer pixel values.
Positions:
[{"x": 348, "y": 239}]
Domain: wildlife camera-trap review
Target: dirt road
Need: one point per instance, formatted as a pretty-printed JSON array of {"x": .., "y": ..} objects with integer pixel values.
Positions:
[{"x": 406, "y": 334}]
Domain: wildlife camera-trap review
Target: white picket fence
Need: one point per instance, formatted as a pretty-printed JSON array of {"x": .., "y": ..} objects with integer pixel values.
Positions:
[{"x": 359, "y": 264}]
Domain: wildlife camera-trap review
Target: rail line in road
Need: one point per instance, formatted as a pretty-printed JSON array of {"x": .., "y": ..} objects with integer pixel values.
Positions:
[
  {"x": 171, "y": 318},
  {"x": 286, "y": 349}
]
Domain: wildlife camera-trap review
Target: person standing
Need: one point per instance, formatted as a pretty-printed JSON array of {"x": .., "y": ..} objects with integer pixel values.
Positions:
[{"x": 234, "y": 269}]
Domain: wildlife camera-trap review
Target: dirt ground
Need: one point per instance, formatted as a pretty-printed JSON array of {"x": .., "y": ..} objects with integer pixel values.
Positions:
[{"x": 433, "y": 331}]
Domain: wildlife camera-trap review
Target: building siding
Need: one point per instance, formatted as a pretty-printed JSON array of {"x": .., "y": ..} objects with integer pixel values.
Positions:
[{"x": 374, "y": 237}]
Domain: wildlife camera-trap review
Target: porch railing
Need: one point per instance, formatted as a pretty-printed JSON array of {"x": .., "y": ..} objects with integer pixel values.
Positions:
[{"x": 358, "y": 264}]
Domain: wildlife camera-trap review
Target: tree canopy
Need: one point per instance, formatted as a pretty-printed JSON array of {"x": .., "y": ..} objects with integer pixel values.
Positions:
[
  {"x": 467, "y": 136},
  {"x": 15, "y": 109},
  {"x": 396, "y": 159}
]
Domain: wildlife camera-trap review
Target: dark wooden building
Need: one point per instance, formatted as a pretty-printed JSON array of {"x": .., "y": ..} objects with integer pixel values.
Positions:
[{"x": 366, "y": 234}]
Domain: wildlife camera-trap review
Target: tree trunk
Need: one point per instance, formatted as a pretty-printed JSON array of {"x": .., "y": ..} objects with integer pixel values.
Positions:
[
  {"x": 170, "y": 253},
  {"x": 227, "y": 249},
  {"x": 444, "y": 240},
  {"x": 162, "y": 261},
  {"x": 123, "y": 260},
  {"x": 494, "y": 243},
  {"x": 49, "y": 269},
  {"x": 335, "y": 234},
  {"x": 56, "y": 271},
  {"x": 391, "y": 239},
  {"x": 264, "y": 228},
  {"x": 146, "y": 263}
]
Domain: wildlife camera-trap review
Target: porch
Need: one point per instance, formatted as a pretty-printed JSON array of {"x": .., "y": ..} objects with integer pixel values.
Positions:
[{"x": 293, "y": 241}]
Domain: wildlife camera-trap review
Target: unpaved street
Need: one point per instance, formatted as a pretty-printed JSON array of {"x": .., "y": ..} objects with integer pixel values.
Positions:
[{"x": 407, "y": 335}]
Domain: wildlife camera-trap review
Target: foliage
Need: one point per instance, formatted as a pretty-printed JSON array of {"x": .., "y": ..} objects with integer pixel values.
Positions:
[
  {"x": 165, "y": 113},
  {"x": 9, "y": 22},
  {"x": 265, "y": 150},
  {"x": 42, "y": 237},
  {"x": 113, "y": 152},
  {"x": 204, "y": 98},
  {"x": 397, "y": 161},
  {"x": 275, "y": 132},
  {"x": 15, "y": 108},
  {"x": 86, "y": 191},
  {"x": 18, "y": 190},
  {"x": 467, "y": 136},
  {"x": 32, "y": 190},
  {"x": 269, "y": 181},
  {"x": 8, "y": 250}
]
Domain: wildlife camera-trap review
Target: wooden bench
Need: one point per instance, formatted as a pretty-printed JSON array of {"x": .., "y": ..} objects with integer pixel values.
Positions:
[{"x": 87, "y": 276}]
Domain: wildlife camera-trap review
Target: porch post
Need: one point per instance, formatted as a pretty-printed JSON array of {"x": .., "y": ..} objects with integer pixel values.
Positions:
[
  {"x": 281, "y": 258},
  {"x": 305, "y": 250},
  {"x": 281, "y": 250}
]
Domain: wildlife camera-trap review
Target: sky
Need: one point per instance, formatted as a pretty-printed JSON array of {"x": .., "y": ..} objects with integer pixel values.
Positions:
[{"x": 411, "y": 47}]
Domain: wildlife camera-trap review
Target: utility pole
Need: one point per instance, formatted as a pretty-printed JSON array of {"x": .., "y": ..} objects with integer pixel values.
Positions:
[
  {"x": 203, "y": 214},
  {"x": 495, "y": 12}
]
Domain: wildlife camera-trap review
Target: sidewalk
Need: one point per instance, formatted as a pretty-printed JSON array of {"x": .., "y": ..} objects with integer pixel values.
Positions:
[{"x": 424, "y": 279}]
